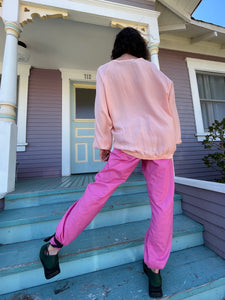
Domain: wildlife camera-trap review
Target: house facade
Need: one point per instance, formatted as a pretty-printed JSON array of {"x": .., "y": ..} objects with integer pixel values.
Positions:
[{"x": 48, "y": 80}]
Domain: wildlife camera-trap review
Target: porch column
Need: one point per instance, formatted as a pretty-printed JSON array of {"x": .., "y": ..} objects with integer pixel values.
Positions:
[
  {"x": 8, "y": 91},
  {"x": 154, "y": 50},
  {"x": 153, "y": 41}
]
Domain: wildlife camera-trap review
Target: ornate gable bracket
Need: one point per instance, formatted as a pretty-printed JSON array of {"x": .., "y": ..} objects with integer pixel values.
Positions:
[
  {"x": 27, "y": 13},
  {"x": 143, "y": 29}
]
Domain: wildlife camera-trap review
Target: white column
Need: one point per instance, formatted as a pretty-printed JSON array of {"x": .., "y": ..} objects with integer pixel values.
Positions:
[
  {"x": 8, "y": 128},
  {"x": 154, "y": 50},
  {"x": 66, "y": 154},
  {"x": 154, "y": 40}
]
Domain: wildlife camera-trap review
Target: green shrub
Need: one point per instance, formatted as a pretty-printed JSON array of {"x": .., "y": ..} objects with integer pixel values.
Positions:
[{"x": 216, "y": 140}]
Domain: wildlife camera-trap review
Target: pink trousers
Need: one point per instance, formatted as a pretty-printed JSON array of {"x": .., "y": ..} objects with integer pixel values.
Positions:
[{"x": 159, "y": 176}]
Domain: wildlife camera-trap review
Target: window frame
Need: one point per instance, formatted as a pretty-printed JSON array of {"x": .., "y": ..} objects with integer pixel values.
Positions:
[
  {"x": 194, "y": 65},
  {"x": 23, "y": 72}
]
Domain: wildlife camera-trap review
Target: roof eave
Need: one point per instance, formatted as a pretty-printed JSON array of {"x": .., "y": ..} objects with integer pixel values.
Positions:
[{"x": 207, "y": 25}]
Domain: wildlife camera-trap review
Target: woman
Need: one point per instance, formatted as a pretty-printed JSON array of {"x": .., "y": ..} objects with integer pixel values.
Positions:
[{"x": 135, "y": 108}]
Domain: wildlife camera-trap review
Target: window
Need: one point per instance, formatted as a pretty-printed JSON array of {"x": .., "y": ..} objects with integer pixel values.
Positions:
[
  {"x": 207, "y": 80},
  {"x": 84, "y": 101},
  {"x": 211, "y": 89}
]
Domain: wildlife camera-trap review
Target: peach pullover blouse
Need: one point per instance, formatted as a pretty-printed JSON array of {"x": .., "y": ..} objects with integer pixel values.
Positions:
[{"x": 135, "y": 109}]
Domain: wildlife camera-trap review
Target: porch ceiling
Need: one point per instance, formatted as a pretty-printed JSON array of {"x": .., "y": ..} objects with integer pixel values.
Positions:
[
  {"x": 59, "y": 43},
  {"x": 84, "y": 40}
]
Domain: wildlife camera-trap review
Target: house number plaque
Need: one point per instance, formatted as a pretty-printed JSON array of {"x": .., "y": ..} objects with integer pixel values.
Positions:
[{"x": 87, "y": 76}]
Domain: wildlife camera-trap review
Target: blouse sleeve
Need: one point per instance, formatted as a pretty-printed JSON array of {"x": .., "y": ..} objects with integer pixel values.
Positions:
[
  {"x": 174, "y": 113},
  {"x": 103, "y": 122}
]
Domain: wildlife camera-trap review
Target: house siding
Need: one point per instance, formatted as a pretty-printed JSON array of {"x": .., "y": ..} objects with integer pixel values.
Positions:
[
  {"x": 138, "y": 3},
  {"x": 43, "y": 156},
  {"x": 188, "y": 157},
  {"x": 208, "y": 208}
]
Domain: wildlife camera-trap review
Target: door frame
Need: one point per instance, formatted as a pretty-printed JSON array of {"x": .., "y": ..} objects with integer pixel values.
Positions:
[{"x": 85, "y": 76}]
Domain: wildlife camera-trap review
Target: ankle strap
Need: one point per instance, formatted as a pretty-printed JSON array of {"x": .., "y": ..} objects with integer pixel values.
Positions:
[{"x": 57, "y": 243}]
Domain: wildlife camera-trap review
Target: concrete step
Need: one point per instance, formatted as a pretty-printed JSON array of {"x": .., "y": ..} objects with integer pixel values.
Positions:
[
  {"x": 45, "y": 192},
  {"x": 93, "y": 250},
  {"x": 194, "y": 274},
  {"x": 24, "y": 224}
]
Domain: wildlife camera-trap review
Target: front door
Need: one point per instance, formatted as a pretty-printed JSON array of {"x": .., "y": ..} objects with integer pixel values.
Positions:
[{"x": 84, "y": 158}]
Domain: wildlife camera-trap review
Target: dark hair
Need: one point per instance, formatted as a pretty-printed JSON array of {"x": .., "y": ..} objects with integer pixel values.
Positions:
[{"x": 130, "y": 41}]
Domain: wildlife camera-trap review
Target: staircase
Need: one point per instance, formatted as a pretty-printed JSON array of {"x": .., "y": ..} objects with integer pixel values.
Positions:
[{"x": 108, "y": 253}]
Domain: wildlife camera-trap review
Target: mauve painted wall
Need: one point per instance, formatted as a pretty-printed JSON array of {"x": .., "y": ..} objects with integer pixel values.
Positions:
[
  {"x": 138, "y": 3},
  {"x": 43, "y": 156},
  {"x": 188, "y": 157},
  {"x": 207, "y": 208}
]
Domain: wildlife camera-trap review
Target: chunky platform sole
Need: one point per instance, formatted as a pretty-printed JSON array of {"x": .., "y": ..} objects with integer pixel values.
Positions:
[
  {"x": 50, "y": 273},
  {"x": 154, "y": 291}
]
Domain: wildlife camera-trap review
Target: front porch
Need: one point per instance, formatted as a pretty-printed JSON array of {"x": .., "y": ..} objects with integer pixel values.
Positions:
[
  {"x": 64, "y": 43},
  {"x": 59, "y": 183}
]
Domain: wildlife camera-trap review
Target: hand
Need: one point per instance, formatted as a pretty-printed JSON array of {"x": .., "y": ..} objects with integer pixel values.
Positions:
[{"x": 104, "y": 154}]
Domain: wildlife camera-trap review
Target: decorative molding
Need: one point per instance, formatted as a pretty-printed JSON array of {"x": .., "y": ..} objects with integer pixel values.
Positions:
[
  {"x": 153, "y": 48},
  {"x": 27, "y": 13},
  {"x": 12, "y": 28},
  {"x": 194, "y": 65},
  {"x": 142, "y": 29},
  {"x": 204, "y": 37},
  {"x": 76, "y": 152},
  {"x": 93, "y": 155},
  {"x": 79, "y": 129},
  {"x": 102, "y": 8},
  {"x": 7, "y": 112}
]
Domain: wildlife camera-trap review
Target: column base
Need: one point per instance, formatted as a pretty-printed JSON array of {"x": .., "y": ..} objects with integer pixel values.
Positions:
[{"x": 8, "y": 140}]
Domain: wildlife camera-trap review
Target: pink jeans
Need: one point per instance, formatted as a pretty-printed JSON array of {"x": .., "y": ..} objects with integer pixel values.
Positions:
[{"x": 159, "y": 176}]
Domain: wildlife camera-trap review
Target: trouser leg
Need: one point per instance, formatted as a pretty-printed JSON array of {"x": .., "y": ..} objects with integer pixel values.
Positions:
[
  {"x": 159, "y": 175},
  {"x": 116, "y": 171}
]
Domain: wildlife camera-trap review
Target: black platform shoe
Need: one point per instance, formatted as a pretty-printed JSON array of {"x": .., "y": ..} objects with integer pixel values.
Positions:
[
  {"x": 49, "y": 262},
  {"x": 155, "y": 282}
]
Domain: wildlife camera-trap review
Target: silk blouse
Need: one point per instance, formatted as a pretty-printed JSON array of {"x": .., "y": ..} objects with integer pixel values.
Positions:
[{"x": 135, "y": 109}]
